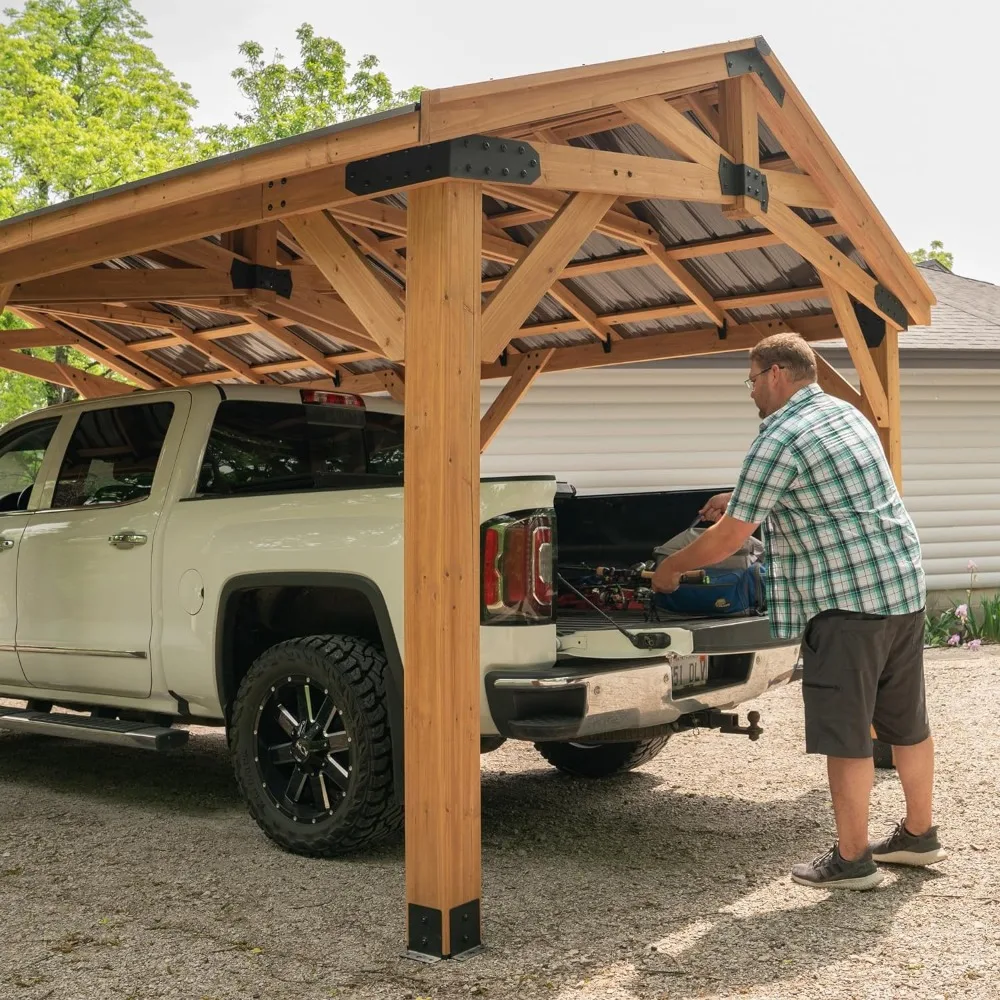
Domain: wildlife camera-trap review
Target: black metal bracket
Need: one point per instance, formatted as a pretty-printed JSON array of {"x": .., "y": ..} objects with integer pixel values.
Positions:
[
  {"x": 465, "y": 936},
  {"x": 472, "y": 157},
  {"x": 872, "y": 325},
  {"x": 723, "y": 331},
  {"x": 738, "y": 178},
  {"x": 504, "y": 358},
  {"x": 743, "y": 61},
  {"x": 424, "y": 940},
  {"x": 891, "y": 306},
  {"x": 606, "y": 344},
  {"x": 270, "y": 279}
]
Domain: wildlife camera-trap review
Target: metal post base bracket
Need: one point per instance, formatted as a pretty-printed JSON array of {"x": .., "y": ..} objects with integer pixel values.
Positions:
[
  {"x": 738, "y": 178},
  {"x": 472, "y": 157},
  {"x": 424, "y": 939}
]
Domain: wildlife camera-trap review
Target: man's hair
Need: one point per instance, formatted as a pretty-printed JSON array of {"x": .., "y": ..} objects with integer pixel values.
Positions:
[{"x": 789, "y": 351}]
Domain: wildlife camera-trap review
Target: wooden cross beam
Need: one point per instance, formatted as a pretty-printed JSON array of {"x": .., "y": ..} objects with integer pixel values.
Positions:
[
  {"x": 529, "y": 367},
  {"x": 531, "y": 277},
  {"x": 88, "y": 386}
]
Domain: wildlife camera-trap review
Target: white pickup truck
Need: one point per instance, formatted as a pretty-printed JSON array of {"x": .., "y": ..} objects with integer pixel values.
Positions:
[{"x": 232, "y": 556}]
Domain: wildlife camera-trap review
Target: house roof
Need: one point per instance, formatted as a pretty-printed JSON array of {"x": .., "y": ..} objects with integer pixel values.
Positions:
[{"x": 678, "y": 263}]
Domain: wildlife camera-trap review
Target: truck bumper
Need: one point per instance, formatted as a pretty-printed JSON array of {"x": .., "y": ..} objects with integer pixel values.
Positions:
[{"x": 585, "y": 697}]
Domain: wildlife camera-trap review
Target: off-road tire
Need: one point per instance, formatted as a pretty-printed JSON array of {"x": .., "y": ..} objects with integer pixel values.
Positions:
[
  {"x": 882, "y": 753},
  {"x": 353, "y": 670},
  {"x": 600, "y": 760}
]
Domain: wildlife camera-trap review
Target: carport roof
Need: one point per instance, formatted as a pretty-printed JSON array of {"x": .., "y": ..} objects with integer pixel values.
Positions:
[{"x": 151, "y": 278}]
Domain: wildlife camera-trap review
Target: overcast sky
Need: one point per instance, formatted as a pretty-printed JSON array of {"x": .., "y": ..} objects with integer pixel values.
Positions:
[{"x": 907, "y": 90}]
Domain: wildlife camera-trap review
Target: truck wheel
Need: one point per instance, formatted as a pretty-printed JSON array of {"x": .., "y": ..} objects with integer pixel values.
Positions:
[
  {"x": 882, "y": 752},
  {"x": 600, "y": 760},
  {"x": 311, "y": 746}
]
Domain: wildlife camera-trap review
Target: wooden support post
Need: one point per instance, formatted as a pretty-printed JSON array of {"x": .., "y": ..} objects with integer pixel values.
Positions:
[
  {"x": 528, "y": 369},
  {"x": 886, "y": 358},
  {"x": 441, "y": 573},
  {"x": 5, "y": 291},
  {"x": 738, "y": 133}
]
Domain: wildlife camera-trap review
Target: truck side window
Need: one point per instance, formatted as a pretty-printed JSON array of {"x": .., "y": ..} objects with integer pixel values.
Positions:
[
  {"x": 262, "y": 447},
  {"x": 112, "y": 455},
  {"x": 21, "y": 454}
]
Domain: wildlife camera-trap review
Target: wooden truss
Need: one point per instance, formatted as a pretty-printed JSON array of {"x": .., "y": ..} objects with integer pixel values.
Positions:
[{"x": 331, "y": 250}]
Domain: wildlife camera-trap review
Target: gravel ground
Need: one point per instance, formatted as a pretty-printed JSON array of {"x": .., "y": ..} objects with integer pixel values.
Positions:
[{"x": 124, "y": 874}]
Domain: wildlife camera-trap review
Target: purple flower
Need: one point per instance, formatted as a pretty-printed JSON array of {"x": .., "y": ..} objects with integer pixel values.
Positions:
[
  {"x": 962, "y": 611},
  {"x": 975, "y": 644},
  {"x": 972, "y": 566},
  {"x": 954, "y": 640}
]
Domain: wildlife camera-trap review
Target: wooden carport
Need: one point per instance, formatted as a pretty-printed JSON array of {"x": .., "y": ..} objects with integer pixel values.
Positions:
[{"x": 681, "y": 204}]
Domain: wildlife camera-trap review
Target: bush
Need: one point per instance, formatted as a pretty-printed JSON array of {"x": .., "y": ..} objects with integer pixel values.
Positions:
[{"x": 961, "y": 625}]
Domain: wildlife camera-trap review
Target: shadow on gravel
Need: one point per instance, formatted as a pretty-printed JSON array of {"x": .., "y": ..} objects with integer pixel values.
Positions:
[
  {"x": 579, "y": 875},
  {"x": 197, "y": 778}
]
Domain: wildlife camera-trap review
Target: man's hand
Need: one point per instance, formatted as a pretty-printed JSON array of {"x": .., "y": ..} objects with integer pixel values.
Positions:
[
  {"x": 666, "y": 580},
  {"x": 715, "y": 507}
]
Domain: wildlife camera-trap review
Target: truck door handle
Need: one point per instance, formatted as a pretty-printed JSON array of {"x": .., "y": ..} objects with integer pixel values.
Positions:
[
  {"x": 6, "y": 543},
  {"x": 126, "y": 540}
]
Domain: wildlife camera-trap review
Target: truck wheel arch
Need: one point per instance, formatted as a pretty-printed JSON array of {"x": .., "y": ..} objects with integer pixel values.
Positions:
[{"x": 349, "y": 586}]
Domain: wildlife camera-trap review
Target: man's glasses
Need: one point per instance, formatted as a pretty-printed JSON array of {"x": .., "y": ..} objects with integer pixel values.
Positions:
[{"x": 748, "y": 382}]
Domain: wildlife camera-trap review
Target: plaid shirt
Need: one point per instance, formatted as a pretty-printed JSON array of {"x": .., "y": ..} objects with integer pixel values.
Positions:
[{"x": 836, "y": 533}]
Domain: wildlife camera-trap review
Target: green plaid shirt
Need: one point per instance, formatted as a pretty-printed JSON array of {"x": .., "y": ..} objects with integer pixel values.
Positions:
[{"x": 836, "y": 533}]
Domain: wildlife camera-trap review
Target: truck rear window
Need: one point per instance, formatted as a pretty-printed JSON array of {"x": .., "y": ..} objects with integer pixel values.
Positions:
[{"x": 261, "y": 447}]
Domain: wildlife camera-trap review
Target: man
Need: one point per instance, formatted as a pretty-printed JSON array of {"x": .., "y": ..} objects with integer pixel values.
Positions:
[{"x": 844, "y": 572}]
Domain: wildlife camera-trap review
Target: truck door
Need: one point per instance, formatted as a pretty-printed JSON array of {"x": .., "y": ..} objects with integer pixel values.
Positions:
[
  {"x": 86, "y": 568},
  {"x": 22, "y": 450}
]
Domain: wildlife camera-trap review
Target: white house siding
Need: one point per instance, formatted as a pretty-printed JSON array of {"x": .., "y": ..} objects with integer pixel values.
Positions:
[{"x": 639, "y": 429}]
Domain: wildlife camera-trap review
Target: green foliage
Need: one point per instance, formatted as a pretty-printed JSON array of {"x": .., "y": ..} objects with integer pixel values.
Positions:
[
  {"x": 84, "y": 103},
  {"x": 937, "y": 252},
  {"x": 286, "y": 100},
  {"x": 962, "y": 625}
]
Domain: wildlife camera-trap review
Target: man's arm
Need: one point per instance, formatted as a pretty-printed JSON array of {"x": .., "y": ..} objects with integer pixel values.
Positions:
[{"x": 721, "y": 540}]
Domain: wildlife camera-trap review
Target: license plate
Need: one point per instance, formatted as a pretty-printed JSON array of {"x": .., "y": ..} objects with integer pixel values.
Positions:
[{"x": 689, "y": 672}]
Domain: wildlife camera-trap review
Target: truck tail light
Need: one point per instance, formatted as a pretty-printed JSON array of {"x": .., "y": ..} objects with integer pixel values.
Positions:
[
  {"x": 518, "y": 556},
  {"x": 324, "y": 398}
]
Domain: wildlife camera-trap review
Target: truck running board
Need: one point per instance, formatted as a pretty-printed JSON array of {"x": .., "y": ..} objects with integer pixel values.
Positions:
[{"x": 143, "y": 735}]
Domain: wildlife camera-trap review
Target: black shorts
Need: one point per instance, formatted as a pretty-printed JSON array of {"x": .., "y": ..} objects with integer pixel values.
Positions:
[{"x": 859, "y": 671}]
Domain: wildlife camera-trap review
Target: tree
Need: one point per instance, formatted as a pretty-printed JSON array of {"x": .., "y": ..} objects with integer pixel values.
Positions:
[
  {"x": 84, "y": 105},
  {"x": 937, "y": 252},
  {"x": 84, "y": 102},
  {"x": 286, "y": 101}
]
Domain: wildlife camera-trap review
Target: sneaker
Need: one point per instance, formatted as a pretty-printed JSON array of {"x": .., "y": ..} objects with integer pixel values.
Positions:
[
  {"x": 831, "y": 871},
  {"x": 902, "y": 848}
]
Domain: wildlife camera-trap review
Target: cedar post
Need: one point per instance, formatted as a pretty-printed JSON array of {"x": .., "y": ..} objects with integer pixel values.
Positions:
[
  {"x": 886, "y": 357},
  {"x": 443, "y": 342}
]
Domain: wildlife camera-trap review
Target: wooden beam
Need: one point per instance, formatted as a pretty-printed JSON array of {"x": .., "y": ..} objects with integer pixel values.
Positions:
[
  {"x": 739, "y": 136},
  {"x": 706, "y": 112},
  {"x": 803, "y": 137},
  {"x": 441, "y": 558},
  {"x": 677, "y": 131},
  {"x": 158, "y": 198},
  {"x": 292, "y": 341},
  {"x": 139, "y": 362},
  {"x": 325, "y": 315},
  {"x": 394, "y": 382},
  {"x": 677, "y": 345},
  {"x": 38, "y": 336},
  {"x": 529, "y": 367},
  {"x": 529, "y": 279},
  {"x": 822, "y": 254},
  {"x": 886, "y": 358},
  {"x": 864, "y": 365},
  {"x": 5, "y": 293},
  {"x": 88, "y": 386},
  {"x": 126, "y": 315},
  {"x": 458, "y": 111},
  {"x": 745, "y": 241},
  {"x": 381, "y": 313},
  {"x": 831, "y": 381},
  {"x": 687, "y": 283},
  {"x": 122, "y": 285},
  {"x": 614, "y": 224}
]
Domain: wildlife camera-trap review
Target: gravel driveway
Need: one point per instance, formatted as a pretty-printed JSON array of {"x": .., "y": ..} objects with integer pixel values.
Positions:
[{"x": 125, "y": 874}]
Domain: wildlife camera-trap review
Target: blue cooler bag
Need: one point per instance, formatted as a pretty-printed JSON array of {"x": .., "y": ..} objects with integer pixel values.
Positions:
[{"x": 723, "y": 592}]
